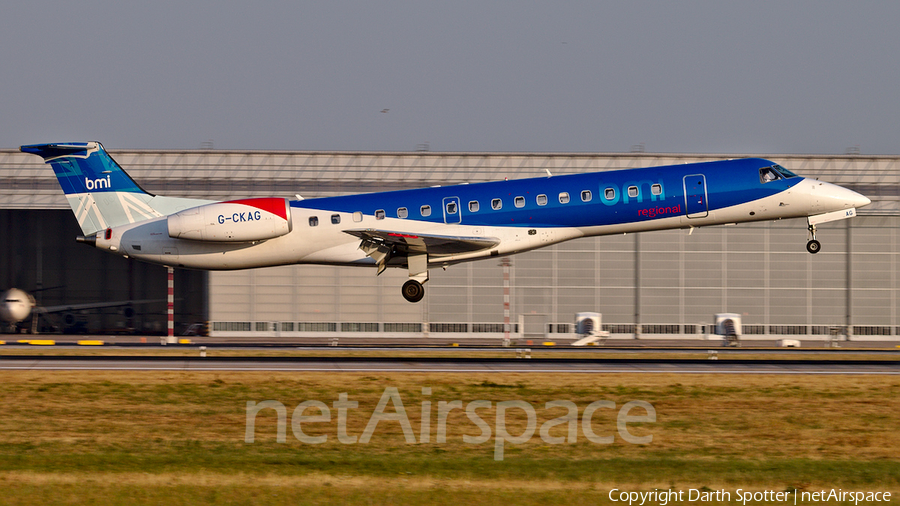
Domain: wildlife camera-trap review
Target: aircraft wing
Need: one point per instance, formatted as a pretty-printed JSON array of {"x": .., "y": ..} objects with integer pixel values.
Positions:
[
  {"x": 92, "y": 305},
  {"x": 381, "y": 245},
  {"x": 425, "y": 243}
]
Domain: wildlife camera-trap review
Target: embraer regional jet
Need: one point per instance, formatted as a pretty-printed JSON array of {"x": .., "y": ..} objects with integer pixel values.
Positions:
[{"x": 430, "y": 227}]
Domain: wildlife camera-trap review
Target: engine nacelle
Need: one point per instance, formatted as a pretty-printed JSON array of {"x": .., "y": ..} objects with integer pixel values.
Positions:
[{"x": 234, "y": 221}]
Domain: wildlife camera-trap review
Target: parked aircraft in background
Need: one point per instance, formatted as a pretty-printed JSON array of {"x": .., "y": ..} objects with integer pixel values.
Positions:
[
  {"x": 431, "y": 227},
  {"x": 18, "y": 304}
]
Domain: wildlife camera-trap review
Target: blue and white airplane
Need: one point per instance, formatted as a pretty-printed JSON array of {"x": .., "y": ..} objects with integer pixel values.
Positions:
[{"x": 430, "y": 227}]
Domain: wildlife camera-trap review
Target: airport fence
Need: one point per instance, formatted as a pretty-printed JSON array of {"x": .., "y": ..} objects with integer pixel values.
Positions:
[{"x": 551, "y": 331}]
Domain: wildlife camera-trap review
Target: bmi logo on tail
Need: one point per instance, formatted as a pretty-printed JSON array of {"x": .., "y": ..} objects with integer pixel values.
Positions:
[{"x": 97, "y": 184}]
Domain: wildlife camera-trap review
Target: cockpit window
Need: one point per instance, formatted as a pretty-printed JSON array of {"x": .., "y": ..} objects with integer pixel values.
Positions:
[
  {"x": 768, "y": 174},
  {"x": 784, "y": 172},
  {"x": 773, "y": 173}
]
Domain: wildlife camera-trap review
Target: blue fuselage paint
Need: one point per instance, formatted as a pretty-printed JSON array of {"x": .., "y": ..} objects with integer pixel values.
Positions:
[{"x": 594, "y": 199}]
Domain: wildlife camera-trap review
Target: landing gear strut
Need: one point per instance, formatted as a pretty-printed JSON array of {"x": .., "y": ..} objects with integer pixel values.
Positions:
[
  {"x": 413, "y": 291},
  {"x": 813, "y": 246},
  {"x": 418, "y": 275}
]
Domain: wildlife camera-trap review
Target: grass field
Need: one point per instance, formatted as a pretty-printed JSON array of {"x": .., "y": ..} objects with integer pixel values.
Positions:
[{"x": 76, "y": 437}]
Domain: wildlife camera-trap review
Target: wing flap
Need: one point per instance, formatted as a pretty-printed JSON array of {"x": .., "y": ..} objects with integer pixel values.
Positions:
[{"x": 433, "y": 245}]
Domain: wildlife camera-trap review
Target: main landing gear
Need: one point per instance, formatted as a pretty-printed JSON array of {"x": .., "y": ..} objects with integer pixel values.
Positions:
[
  {"x": 813, "y": 246},
  {"x": 413, "y": 291}
]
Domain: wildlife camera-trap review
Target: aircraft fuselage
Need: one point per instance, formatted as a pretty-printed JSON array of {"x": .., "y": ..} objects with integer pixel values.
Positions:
[
  {"x": 429, "y": 227},
  {"x": 531, "y": 213}
]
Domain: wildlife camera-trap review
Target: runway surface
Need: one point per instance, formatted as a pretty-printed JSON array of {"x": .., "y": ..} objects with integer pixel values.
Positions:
[{"x": 448, "y": 365}]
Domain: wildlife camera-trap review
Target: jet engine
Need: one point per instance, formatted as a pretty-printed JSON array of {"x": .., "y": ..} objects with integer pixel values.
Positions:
[{"x": 233, "y": 221}]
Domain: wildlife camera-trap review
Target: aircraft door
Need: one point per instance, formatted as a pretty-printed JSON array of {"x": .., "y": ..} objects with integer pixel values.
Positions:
[
  {"x": 452, "y": 210},
  {"x": 695, "y": 196}
]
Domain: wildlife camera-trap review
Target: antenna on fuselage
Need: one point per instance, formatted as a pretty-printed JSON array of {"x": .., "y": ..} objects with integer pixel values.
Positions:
[{"x": 548, "y": 173}]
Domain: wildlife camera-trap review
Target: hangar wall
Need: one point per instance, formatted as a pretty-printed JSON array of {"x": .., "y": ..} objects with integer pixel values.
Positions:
[{"x": 667, "y": 282}]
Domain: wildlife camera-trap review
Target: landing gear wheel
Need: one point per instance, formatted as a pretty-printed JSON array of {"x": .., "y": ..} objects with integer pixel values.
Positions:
[
  {"x": 813, "y": 246},
  {"x": 413, "y": 291}
]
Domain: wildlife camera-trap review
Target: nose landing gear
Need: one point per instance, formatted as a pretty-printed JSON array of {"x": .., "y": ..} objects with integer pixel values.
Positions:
[{"x": 813, "y": 246}]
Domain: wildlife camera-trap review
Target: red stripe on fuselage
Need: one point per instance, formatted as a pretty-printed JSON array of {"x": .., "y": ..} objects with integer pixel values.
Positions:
[{"x": 273, "y": 205}]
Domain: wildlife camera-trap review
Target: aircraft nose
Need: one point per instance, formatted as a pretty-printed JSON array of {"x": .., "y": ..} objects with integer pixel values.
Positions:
[
  {"x": 831, "y": 197},
  {"x": 860, "y": 200},
  {"x": 853, "y": 199},
  {"x": 850, "y": 197}
]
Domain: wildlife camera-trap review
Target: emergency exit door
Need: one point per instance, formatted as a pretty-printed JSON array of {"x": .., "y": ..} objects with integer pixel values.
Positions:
[{"x": 695, "y": 196}]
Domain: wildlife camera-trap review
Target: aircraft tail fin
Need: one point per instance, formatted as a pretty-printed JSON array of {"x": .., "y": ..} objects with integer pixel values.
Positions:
[{"x": 101, "y": 194}]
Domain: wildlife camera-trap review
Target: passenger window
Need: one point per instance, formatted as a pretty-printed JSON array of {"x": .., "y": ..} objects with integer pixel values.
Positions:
[
  {"x": 473, "y": 206},
  {"x": 610, "y": 193},
  {"x": 379, "y": 214},
  {"x": 425, "y": 211},
  {"x": 313, "y": 221},
  {"x": 632, "y": 191},
  {"x": 451, "y": 207},
  {"x": 357, "y": 216},
  {"x": 563, "y": 198},
  {"x": 586, "y": 195},
  {"x": 496, "y": 204},
  {"x": 520, "y": 201},
  {"x": 402, "y": 212},
  {"x": 656, "y": 189},
  {"x": 542, "y": 200},
  {"x": 335, "y": 219}
]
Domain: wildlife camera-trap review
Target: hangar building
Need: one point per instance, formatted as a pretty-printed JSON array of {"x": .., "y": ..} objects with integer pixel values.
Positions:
[{"x": 655, "y": 284}]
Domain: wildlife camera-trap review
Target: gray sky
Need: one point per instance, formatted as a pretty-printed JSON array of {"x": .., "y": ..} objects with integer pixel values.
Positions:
[{"x": 680, "y": 76}]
